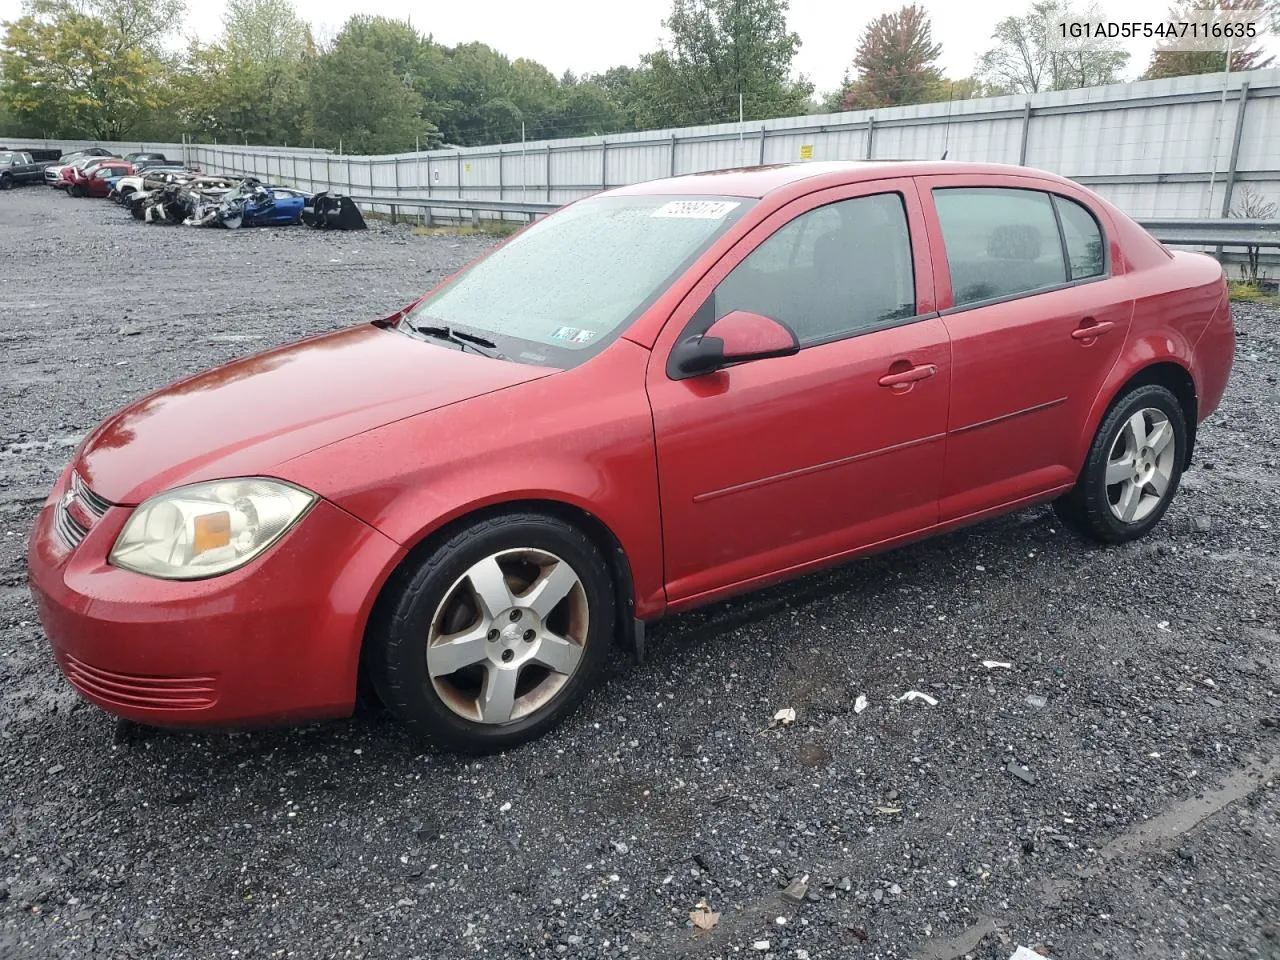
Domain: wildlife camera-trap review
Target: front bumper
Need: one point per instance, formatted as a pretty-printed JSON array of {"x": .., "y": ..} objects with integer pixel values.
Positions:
[{"x": 276, "y": 641}]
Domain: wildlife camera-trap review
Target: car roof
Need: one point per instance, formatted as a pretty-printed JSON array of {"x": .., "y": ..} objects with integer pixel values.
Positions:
[{"x": 760, "y": 181}]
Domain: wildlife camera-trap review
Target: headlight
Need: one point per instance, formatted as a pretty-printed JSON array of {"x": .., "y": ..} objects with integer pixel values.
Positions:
[{"x": 206, "y": 529}]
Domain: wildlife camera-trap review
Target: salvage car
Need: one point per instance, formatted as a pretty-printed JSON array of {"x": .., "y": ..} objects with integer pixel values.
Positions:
[
  {"x": 17, "y": 168},
  {"x": 100, "y": 182},
  {"x": 178, "y": 198},
  {"x": 656, "y": 397},
  {"x": 75, "y": 173},
  {"x": 251, "y": 204},
  {"x": 148, "y": 178}
]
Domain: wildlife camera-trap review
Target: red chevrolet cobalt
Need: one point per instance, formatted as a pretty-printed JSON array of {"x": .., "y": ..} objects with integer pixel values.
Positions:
[{"x": 654, "y": 398}]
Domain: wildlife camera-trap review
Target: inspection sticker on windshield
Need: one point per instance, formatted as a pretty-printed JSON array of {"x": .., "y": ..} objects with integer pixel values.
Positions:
[
  {"x": 696, "y": 209},
  {"x": 573, "y": 335}
]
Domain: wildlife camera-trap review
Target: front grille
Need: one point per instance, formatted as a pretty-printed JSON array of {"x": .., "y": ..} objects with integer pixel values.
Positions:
[
  {"x": 70, "y": 529},
  {"x": 131, "y": 690},
  {"x": 96, "y": 504}
]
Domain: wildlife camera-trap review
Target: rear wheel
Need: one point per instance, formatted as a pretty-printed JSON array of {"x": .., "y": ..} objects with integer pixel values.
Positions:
[
  {"x": 1132, "y": 470},
  {"x": 496, "y": 637}
]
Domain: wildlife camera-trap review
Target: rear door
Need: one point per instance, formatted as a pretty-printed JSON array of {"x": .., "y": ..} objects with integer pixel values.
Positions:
[
  {"x": 1025, "y": 287},
  {"x": 770, "y": 466}
]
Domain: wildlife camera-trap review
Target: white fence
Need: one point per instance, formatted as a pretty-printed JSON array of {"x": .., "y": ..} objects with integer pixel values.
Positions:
[{"x": 1184, "y": 147}]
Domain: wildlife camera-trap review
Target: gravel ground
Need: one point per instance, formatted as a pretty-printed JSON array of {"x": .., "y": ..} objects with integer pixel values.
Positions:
[{"x": 1143, "y": 819}]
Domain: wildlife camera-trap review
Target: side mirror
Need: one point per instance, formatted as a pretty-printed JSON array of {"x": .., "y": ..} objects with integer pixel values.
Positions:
[{"x": 736, "y": 337}]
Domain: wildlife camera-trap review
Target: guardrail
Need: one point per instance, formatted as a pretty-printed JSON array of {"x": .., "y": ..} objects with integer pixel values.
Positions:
[
  {"x": 530, "y": 209},
  {"x": 1219, "y": 232}
]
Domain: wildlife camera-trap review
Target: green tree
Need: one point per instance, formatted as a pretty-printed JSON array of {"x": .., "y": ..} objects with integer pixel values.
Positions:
[
  {"x": 896, "y": 62},
  {"x": 720, "y": 51},
  {"x": 1245, "y": 52},
  {"x": 1022, "y": 61},
  {"x": 95, "y": 68},
  {"x": 250, "y": 86},
  {"x": 361, "y": 102}
]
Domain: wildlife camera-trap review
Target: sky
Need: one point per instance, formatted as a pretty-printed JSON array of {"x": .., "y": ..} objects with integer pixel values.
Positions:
[{"x": 589, "y": 36}]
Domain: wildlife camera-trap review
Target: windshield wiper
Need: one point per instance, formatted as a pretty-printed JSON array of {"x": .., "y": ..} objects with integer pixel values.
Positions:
[{"x": 486, "y": 348}]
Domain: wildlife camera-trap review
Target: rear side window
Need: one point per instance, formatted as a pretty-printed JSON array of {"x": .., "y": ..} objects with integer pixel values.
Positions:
[
  {"x": 1000, "y": 242},
  {"x": 835, "y": 271},
  {"x": 1083, "y": 237}
]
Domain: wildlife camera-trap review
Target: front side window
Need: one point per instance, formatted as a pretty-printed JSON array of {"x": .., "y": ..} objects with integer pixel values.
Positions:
[
  {"x": 1000, "y": 242},
  {"x": 566, "y": 285},
  {"x": 834, "y": 271}
]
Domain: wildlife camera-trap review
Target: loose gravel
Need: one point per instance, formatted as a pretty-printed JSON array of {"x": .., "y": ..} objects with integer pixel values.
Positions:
[{"x": 1112, "y": 793}]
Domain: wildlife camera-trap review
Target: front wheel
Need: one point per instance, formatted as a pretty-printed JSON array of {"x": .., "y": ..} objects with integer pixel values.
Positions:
[
  {"x": 75, "y": 190},
  {"x": 497, "y": 636},
  {"x": 6, "y": 181},
  {"x": 1132, "y": 470}
]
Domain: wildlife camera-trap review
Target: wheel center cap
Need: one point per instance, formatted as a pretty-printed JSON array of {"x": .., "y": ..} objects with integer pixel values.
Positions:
[{"x": 511, "y": 633}]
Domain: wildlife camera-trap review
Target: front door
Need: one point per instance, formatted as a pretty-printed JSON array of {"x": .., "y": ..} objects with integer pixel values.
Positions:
[{"x": 778, "y": 464}]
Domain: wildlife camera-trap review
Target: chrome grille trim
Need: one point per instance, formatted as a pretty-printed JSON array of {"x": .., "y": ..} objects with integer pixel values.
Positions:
[
  {"x": 93, "y": 502},
  {"x": 68, "y": 527}
]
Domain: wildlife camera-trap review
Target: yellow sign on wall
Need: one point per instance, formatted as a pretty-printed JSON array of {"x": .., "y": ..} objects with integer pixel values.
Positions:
[
  {"x": 806, "y": 151},
  {"x": 466, "y": 167}
]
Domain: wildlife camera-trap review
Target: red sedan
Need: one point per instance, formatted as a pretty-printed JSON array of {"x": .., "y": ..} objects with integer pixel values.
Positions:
[
  {"x": 655, "y": 398},
  {"x": 74, "y": 177},
  {"x": 96, "y": 183}
]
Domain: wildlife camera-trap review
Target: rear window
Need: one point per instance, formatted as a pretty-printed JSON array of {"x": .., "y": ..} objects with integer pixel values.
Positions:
[
  {"x": 1083, "y": 237},
  {"x": 1000, "y": 242}
]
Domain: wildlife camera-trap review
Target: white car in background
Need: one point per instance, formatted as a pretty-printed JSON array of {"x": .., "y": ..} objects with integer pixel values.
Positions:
[{"x": 157, "y": 176}]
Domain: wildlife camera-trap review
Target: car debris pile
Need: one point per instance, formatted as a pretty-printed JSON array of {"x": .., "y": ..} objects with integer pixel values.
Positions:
[
  {"x": 157, "y": 189},
  {"x": 175, "y": 197}
]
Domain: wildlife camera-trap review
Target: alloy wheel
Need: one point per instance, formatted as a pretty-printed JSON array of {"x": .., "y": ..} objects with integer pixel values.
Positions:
[
  {"x": 508, "y": 635},
  {"x": 1140, "y": 465}
]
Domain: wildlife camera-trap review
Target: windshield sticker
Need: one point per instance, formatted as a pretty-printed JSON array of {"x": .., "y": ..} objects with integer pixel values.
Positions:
[
  {"x": 565, "y": 333},
  {"x": 696, "y": 209},
  {"x": 583, "y": 336}
]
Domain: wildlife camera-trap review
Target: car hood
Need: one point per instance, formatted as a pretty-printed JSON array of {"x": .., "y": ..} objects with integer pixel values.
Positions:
[{"x": 247, "y": 417}]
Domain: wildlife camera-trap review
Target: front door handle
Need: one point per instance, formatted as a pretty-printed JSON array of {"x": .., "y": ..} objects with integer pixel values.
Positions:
[
  {"x": 905, "y": 377},
  {"x": 1090, "y": 329}
]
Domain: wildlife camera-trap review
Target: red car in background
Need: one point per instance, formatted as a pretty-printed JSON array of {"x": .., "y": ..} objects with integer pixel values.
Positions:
[
  {"x": 98, "y": 182},
  {"x": 74, "y": 177},
  {"x": 654, "y": 398}
]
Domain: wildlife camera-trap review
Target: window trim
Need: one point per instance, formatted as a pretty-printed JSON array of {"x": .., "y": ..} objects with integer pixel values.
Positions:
[
  {"x": 1059, "y": 198},
  {"x": 1054, "y": 197},
  {"x": 696, "y": 324}
]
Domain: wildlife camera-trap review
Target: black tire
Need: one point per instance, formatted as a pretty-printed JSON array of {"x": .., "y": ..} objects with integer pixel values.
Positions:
[
  {"x": 138, "y": 211},
  {"x": 1086, "y": 508},
  {"x": 75, "y": 191},
  {"x": 6, "y": 182},
  {"x": 395, "y": 646}
]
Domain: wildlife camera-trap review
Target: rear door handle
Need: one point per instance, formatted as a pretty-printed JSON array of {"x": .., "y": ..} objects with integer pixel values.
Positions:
[
  {"x": 922, "y": 372},
  {"x": 1087, "y": 330}
]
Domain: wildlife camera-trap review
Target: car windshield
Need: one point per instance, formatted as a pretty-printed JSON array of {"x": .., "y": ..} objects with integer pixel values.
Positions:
[{"x": 563, "y": 288}]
